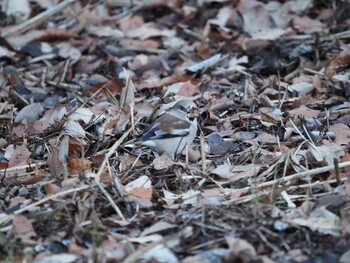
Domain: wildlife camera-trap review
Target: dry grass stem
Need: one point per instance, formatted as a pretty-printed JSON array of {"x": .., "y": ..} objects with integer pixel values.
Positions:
[
  {"x": 44, "y": 200},
  {"x": 31, "y": 23}
]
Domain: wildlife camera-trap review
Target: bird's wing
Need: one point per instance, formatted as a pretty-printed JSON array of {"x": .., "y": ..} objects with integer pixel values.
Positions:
[{"x": 166, "y": 126}]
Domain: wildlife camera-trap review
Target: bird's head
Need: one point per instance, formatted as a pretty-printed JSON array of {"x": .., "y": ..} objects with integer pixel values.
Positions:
[{"x": 186, "y": 106}]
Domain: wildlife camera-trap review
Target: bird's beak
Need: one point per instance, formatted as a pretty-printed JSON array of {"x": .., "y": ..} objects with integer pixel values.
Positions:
[{"x": 193, "y": 113}]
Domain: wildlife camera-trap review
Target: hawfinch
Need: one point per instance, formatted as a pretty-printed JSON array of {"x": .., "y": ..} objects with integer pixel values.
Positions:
[{"x": 171, "y": 131}]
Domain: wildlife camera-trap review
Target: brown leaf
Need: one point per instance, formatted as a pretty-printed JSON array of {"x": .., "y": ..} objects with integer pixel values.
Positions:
[
  {"x": 240, "y": 249},
  {"x": 342, "y": 133},
  {"x": 144, "y": 44},
  {"x": 54, "y": 34},
  {"x": 55, "y": 165},
  {"x": 28, "y": 180},
  {"x": 23, "y": 227},
  {"x": 188, "y": 89},
  {"x": 164, "y": 82},
  {"x": 51, "y": 189},
  {"x": 304, "y": 112},
  {"x": 78, "y": 165},
  {"x": 149, "y": 30},
  {"x": 345, "y": 257},
  {"x": 158, "y": 227},
  {"x": 127, "y": 96},
  {"x": 140, "y": 187},
  {"x": 29, "y": 113},
  {"x": 20, "y": 156},
  {"x": 162, "y": 162},
  {"x": 307, "y": 25}
]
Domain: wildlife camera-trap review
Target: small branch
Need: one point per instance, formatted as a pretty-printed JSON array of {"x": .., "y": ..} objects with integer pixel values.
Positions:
[
  {"x": 117, "y": 143},
  {"x": 110, "y": 200},
  {"x": 69, "y": 87},
  {"x": 310, "y": 172},
  {"x": 37, "y": 19},
  {"x": 139, "y": 50},
  {"x": 337, "y": 174},
  {"x": 204, "y": 165},
  {"x": 16, "y": 168},
  {"x": 48, "y": 198},
  {"x": 286, "y": 179},
  {"x": 124, "y": 14}
]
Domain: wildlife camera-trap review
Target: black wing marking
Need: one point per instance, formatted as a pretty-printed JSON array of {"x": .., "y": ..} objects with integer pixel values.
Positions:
[{"x": 166, "y": 126}]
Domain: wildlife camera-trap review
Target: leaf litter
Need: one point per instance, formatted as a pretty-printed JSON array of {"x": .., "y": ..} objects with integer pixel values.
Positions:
[{"x": 266, "y": 179}]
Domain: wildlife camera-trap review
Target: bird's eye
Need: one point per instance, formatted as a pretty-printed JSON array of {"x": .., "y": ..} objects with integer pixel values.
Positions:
[{"x": 183, "y": 108}]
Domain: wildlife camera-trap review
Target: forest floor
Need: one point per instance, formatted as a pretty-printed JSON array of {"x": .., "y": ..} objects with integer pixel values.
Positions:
[{"x": 267, "y": 176}]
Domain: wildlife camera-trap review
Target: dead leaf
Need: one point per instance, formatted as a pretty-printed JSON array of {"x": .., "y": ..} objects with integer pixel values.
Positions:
[
  {"x": 223, "y": 171},
  {"x": 149, "y": 30},
  {"x": 157, "y": 227},
  {"x": 304, "y": 112},
  {"x": 342, "y": 133},
  {"x": 51, "y": 189},
  {"x": 55, "y": 165},
  {"x": 162, "y": 162},
  {"x": 140, "y": 191},
  {"x": 74, "y": 129},
  {"x": 29, "y": 113},
  {"x": 78, "y": 165},
  {"x": 20, "y": 9},
  {"x": 307, "y": 25},
  {"x": 320, "y": 219},
  {"x": 204, "y": 64},
  {"x": 240, "y": 249},
  {"x": 302, "y": 88},
  {"x": 160, "y": 253},
  {"x": 345, "y": 257},
  {"x": 23, "y": 227}
]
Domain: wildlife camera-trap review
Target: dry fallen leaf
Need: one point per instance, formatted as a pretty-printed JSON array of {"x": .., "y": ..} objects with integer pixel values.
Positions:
[
  {"x": 29, "y": 113},
  {"x": 23, "y": 228},
  {"x": 87, "y": 76}
]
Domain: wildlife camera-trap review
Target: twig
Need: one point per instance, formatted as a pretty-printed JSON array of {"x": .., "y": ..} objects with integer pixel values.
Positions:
[
  {"x": 337, "y": 174},
  {"x": 67, "y": 63},
  {"x": 303, "y": 174},
  {"x": 19, "y": 211},
  {"x": 134, "y": 257},
  {"x": 20, "y": 96},
  {"x": 316, "y": 134},
  {"x": 311, "y": 172},
  {"x": 118, "y": 143},
  {"x": 22, "y": 167},
  {"x": 85, "y": 102},
  {"x": 118, "y": 186},
  {"x": 204, "y": 165},
  {"x": 268, "y": 243},
  {"x": 194, "y": 35},
  {"x": 5, "y": 117},
  {"x": 124, "y": 14},
  {"x": 139, "y": 50},
  {"x": 110, "y": 200},
  {"x": 30, "y": 23},
  {"x": 104, "y": 163},
  {"x": 43, "y": 58},
  {"x": 66, "y": 86},
  {"x": 332, "y": 181},
  {"x": 215, "y": 228},
  {"x": 209, "y": 243},
  {"x": 209, "y": 178},
  {"x": 313, "y": 71},
  {"x": 287, "y": 198},
  {"x": 307, "y": 197},
  {"x": 286, "y": 179}
]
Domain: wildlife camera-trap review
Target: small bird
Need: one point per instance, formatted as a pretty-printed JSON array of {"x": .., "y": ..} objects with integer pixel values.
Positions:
[{"x": 173, "y": 130}]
